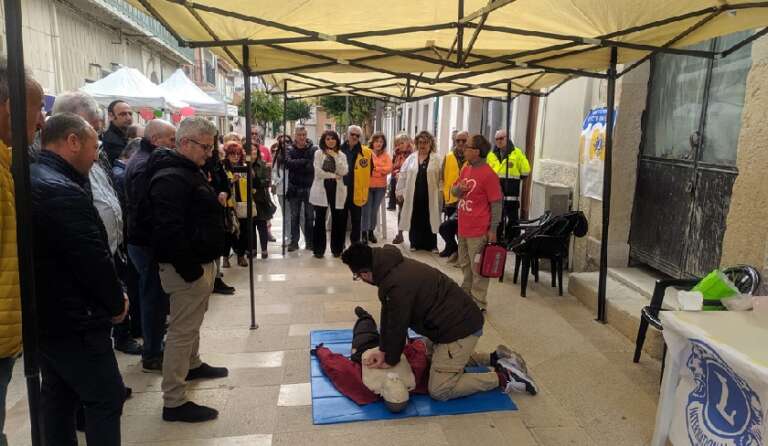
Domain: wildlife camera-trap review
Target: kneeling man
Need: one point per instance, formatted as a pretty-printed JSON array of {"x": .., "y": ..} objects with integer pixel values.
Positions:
[{"x": 417, "y": 296}]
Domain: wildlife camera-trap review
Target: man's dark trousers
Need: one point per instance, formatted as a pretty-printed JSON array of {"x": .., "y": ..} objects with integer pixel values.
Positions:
[
  {"x": 81, "y": 369},
  {"x": 449, "y": 228},
  {"x": 299, "y": 199}
]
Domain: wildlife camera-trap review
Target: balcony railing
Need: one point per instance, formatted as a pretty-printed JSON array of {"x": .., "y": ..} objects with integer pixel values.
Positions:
[{"x": 149, "y": 24}]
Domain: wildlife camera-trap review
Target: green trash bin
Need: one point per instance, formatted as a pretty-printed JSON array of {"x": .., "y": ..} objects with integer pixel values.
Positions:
[{"x": 715, "y": 287}]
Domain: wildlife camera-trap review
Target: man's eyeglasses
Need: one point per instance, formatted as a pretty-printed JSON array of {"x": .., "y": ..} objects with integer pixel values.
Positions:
[
  {"x": 354, "y": 134},
  {"x": 206, "y": 147},
  {"x": 500, "y": 138},
  {"x": 461, "y": 140}
]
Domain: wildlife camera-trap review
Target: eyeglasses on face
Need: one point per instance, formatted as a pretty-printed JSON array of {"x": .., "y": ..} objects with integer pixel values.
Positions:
[
  {"x": 356, "y": 135},
  {"x": 206, "y": 147},
  {"x": 500, "y": 138},
  {"x": 461, "y": 140}
]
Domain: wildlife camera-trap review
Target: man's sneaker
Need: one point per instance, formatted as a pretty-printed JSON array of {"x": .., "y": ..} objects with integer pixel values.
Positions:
[
  {"x": 517, "y": 378},
  {"x": 453, "y": 258},
  {"x": 447, "y": 252},
  {"x": 189, "y": 412},
  {"x": 372, "y": 238},
  {"x": 398, "y": 239},
  {"x": 129, "y": 346},
  {"x": 502, "y": 351},
  {"x": 152, "y": 365},
  {"x": 293, "y": 247},
  {"x": 205, "y": 371},
  {"x": 271, "y": 238},
  {"x": 219, "y": 287}
]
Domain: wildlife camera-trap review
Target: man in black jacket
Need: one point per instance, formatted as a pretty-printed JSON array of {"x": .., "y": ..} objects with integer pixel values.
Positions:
[
  {"x": 158, "y": 135},
  {"x": 301, "y": 172},
  {"x": 417, "y": 296},
  {"x": 113, "y": 141},
  {"x": 78, "y": 291},
  {"x": 187, "y": 235}
]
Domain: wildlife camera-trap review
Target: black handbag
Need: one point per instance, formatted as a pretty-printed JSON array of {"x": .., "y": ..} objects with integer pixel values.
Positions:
[{"x": 329, "y": 164}]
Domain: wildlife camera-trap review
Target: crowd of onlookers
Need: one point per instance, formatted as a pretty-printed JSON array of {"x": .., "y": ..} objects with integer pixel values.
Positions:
[{"x": 133, "y": 226}]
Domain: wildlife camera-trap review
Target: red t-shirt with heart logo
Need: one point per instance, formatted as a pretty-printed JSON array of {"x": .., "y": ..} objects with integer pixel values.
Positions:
[{"x": 475, "y": 206}]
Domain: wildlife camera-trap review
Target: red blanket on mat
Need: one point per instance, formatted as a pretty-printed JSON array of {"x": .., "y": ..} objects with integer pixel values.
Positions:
[{"x": 347, "y": 376}]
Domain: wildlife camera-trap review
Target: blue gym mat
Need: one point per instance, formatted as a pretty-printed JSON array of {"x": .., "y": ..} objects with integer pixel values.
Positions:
[{"x": 329, "y": 406}]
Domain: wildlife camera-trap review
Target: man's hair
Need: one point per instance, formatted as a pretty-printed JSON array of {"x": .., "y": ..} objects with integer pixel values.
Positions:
[
  {"x": 77, "y": 103},
  {"x": 4, "y": 89},
  {"x": 133, "y": 131},
  {"x": 333, "y": 135},
  {"x": 155, "y": 127},
  {"x": 299, "y": 128},
  {"x": 59, "y": 127},
  {"x": 130, "y": 148},
  {"x": 480, "y": 143},
  {"x": 111, "y": 106},
  {"x": 358, "y": 257},
  {"x": 195, "y": 127},
  {"x": 355, "y": 127}
]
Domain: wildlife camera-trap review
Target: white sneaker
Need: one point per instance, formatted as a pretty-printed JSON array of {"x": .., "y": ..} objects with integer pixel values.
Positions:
[
  {"x": 517, "y": 378},
  {"x": 502, "y": 351}
]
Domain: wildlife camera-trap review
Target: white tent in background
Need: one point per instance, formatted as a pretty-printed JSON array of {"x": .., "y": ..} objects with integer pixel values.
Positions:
[
  {"x": 180, "y": 86},
  {"x": 129, "y": 85}
]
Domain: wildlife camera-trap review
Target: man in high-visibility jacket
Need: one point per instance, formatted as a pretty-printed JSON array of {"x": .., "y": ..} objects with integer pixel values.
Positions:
[
  {"x": 452, "y": 164},
  {"x": 511, "y": 165}
]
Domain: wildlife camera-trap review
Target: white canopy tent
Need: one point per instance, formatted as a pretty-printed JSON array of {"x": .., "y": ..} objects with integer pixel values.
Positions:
[
  {"x": 180, "y": 86},
  {"x": 129, "y": 85}
]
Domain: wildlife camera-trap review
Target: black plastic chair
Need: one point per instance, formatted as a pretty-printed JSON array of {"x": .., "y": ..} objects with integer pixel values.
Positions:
[
  {"x": 746, "y": 279},
  {"x": 525, "y": 227},
  {"x": 549, "y": 240}
]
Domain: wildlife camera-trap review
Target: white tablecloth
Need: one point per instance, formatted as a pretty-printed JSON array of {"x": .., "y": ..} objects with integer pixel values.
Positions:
[{"x": 715, "y": 385}]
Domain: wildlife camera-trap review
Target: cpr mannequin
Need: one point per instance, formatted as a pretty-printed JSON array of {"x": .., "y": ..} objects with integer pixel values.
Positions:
[{"x": 392, "y": 384}]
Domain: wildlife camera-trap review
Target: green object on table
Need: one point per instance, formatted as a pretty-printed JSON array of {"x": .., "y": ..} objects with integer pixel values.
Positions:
[{"x": 715, "y": 287}]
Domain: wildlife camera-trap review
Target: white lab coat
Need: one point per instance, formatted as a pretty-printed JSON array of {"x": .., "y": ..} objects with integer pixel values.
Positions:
[
  {"x": 317, "y": 195},
  {"x": 406, "y": 186}
]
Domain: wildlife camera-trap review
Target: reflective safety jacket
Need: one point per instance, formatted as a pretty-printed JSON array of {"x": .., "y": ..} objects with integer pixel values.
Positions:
[
  {"x": 510, "y": 169},
  {"x": 451, "y": 171}
]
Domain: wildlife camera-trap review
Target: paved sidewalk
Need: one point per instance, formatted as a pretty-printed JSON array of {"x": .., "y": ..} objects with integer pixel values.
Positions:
[{"x": 591, "y": 392}]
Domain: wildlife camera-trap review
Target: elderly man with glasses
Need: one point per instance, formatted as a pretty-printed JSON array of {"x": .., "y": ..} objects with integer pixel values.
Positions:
[
  {"x": 511, "y": 166},
  {"x": 358, "y": 180},
  {"x": 187, "y": 235}
]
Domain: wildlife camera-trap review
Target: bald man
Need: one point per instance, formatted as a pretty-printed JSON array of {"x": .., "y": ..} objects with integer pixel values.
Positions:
[{"x": 158, "y": 135}]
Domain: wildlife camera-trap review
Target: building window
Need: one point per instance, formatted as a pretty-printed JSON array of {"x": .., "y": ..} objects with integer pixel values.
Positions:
[
  {"x": 695, "y": 104},
  {"x": 210, "y": 67}
]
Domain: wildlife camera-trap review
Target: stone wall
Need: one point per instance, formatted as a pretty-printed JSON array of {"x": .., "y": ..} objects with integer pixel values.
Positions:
[{"x": 746, "y": 234}]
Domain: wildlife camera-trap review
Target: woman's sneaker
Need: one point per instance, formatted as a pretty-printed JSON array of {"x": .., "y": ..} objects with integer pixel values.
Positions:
[{"x": 519, "y": 380}]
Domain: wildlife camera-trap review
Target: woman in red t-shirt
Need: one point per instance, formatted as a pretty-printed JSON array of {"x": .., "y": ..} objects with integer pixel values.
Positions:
[{"x": 479, "y": 193}]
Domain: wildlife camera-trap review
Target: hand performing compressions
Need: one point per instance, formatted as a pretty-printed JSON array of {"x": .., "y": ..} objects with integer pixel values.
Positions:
[{"x": 376, "y": 361}]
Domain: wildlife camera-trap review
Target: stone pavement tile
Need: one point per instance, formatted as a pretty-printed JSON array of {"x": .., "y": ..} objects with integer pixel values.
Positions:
[
  {"x": 368, "y": 434},
  {"x": 543, "y": 410},
  {"x": 645, "y": 374},
  {"x": 590, "y": 387},
  {"x": 512, "y": 428},
  {"x": 602, "y": 337},
  {"x": 299, "y": 394},
  {"x": 296, "y": 366},
  {"x": 297, "y": 342},
  {"x": 618, "y": 429},
  {"x": 308, "y": 313},
  {"x": 242, "y": 411},
  {"x": 304, "y": 329},
  {"x": 244, "y": 440},
  {"x": 562, "y": 436},
  {"x": 239, "y": 340},
  {"x": 344, "y": 311},
  {"x": 294, "y": 419}
]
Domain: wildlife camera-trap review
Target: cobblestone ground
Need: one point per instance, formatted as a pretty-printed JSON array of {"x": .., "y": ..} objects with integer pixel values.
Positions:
[{"x": 591, "y": 393}]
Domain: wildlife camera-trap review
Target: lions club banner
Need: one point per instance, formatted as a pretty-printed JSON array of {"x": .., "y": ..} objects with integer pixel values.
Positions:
[
  {"x": 720, "y": 397},
  {"x": 592, "y": 152}
]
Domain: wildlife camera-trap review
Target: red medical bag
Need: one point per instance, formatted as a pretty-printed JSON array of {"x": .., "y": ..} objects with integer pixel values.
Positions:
[{"x": 490, "y": 261}]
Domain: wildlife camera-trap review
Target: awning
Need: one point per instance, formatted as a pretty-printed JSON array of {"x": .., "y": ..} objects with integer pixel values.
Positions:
[
  {"x": 129, "y": 85},
  {"x": 180, "y": 86},
  {"x": 437, "y": 44}
]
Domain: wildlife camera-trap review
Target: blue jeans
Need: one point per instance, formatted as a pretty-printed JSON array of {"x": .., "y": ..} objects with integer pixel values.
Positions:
[
  {"x": 285, "y": 208},
  {"x": 154, "y": 301},
  {"x": 371, "y": 208},
  {"x": 6, "y": 369},
  {"x": 302, "y": 216}
]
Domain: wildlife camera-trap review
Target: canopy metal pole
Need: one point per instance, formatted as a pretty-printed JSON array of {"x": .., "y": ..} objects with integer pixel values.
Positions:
[
  {"x": 17, "y": 89},
  {"x": 612, "y": 74},
  {"x": 285, "y": 156},
  {"x": 249, "y": 179},
  {"x": 504, "y": 211},
  {"x": 460, "y": 35},
  {"x": 346, "y": 110}
]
